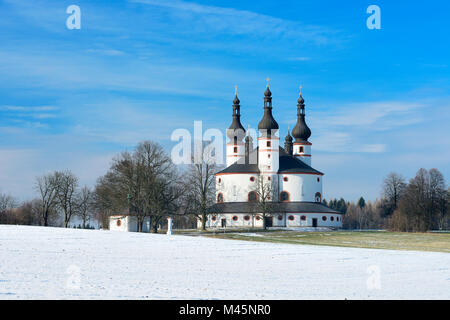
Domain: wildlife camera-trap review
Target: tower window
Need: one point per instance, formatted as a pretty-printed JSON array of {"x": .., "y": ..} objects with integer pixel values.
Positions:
[
  {"x": 284, "y": 196},
  {"x": 332, "y": 218},
  {"x": 220, "y": 198},
  {"x": 118, "y": 223},
  {"x": 235, "y": 149},
  {"x": 302, "y": 150},
  {"x": 268, "y": 144},
  {"x": 318, "y": 197},
  {"x": 220, "y": 180},
  {"x": 318, "y": 179},
  {"x": 268, "y": 156},
  {"x": 285, "y": 179}
]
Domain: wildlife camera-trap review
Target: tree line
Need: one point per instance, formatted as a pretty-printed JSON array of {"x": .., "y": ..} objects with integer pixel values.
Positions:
[
  {"x": 418, "y": 205},
  {"x": 145, "y": 183}
]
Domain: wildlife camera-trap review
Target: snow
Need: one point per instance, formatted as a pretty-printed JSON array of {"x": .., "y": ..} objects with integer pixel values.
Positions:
[{"x": 57, "y": 263}]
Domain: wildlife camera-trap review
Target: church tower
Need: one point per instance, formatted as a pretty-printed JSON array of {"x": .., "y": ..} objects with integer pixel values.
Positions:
[
  {"x": 268, "y": 142},
  {"x": 301, "y": 133},
  {"x": 235, "y": 148}
]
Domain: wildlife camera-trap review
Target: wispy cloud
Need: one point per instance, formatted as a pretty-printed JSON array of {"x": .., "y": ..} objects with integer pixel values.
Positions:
[
  {"x": 207, "y": 19},
  {"x": 362, "y": 127}
]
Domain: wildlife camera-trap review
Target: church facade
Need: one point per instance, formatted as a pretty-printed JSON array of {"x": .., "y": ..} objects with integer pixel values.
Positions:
[{"x": 269, "y": 184}]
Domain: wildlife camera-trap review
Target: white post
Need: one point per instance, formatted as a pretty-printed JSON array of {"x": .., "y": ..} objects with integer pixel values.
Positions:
[{"x": 169, "y": 225}]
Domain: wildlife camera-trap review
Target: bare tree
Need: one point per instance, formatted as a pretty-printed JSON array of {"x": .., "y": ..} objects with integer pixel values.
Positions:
[
  {"x": 7, "y": 203},
  {"x": 66, "y": 191},
  {"x": 393, "y": 187},
  {"x": 200, "y": 183},
  {"x": 140, "y": 181},
  {"x": 47, "y": 187},
  {"x": 265, "y": 195},
  {"x": 85, "y": 205}
]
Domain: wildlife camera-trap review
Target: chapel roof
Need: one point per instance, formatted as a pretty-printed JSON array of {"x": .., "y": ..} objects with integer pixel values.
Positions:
[{"x": 287, "y": 164}]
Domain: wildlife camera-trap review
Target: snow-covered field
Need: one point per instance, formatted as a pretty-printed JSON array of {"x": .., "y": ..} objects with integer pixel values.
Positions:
[{"x": 56, "y": 263}]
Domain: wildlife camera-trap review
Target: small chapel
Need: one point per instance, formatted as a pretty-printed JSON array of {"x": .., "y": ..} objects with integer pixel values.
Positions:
[{"x": 268, "y": 184}]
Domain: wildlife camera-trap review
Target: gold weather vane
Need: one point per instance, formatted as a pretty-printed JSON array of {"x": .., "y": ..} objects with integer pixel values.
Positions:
[
  {"x": 235, "y": 89},
  {"x": 267, "y": 79},
  {"x": 300, "y": 89}
]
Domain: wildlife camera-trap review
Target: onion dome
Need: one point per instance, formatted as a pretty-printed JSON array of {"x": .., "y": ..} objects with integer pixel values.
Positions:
[
  {"x": 288, "y": 146},
  {"x": 301, "y": 131},
  {"x": 267, "y": 126},
  {"x": 236, "y": 131}
]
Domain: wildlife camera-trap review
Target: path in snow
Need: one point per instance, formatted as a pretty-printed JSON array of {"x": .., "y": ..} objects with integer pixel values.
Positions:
[{"x": 56, "y": 263}]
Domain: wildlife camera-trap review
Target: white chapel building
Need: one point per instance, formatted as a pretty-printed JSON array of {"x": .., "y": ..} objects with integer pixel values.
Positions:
[{"x": 277, "y": 180}]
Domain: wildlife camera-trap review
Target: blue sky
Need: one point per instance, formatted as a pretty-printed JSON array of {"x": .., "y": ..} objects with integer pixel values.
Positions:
[{"x": 377, "y": 100}]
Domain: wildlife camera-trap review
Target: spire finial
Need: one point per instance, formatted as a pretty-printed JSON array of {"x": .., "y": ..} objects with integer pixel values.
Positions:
[
  {"x": 267, "y": 79},
  {"x": 289, "y": 128},
  {"x": 235, "y": 90},
  {"x": 300, "y": 89}
]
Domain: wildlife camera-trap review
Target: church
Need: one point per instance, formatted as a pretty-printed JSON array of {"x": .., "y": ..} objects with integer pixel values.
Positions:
[{"x": 270, "y": 185}]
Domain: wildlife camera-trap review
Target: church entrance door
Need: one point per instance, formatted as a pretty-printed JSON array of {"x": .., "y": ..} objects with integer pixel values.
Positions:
[
  {"x": 269, "y": 222},
  {"x": 314, "y": 221},
  {"x": 224, "y": 223}
]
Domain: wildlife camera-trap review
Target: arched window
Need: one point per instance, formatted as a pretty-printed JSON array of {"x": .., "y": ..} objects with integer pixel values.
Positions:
[
  {"x": 213, "y": 218},
  {"x": 220, "y": 180},
  {"x": 246, "y": 218},
  {"x": 318, "y": 197},
  {"x": 252, "y": 196},
  {"x": 324, "y": 218},
  {"x": 252, "y": 179},
  {"x": 302, "y": 149},
  {"x": 235, "y": 218},
  {"x": 220, "y": 198},
  {"x": 284, "y": 196},
  {"x": 332, "y": 218},
  {"x": 118, "y": 223},
  {"x": 303, "y": 218},
  {"x": 280, "y": 217},
  {"x": 291, "y": 218},
  {"x": 285, "y": 179}
]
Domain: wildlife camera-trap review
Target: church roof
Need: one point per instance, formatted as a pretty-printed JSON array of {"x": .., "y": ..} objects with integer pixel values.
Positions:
[
  {"x": 287, "y": 164},
  {"x": 278, "y": 207}
]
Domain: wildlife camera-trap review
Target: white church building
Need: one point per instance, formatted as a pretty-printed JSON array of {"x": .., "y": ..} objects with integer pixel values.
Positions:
[{"x": 277, "y": 181}]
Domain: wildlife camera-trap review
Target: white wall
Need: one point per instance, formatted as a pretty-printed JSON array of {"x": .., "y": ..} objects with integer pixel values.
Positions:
[
  {"x": 266, "y": 163},
  {"x": 297, "y": 222},
  {"x": 284, "y": 222},
  {"x": 127, "y": 223},
  {"x": 301, "y": 187},
  {"x": 232, "y": 156},
  {"x": 305, "y": 156}
]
